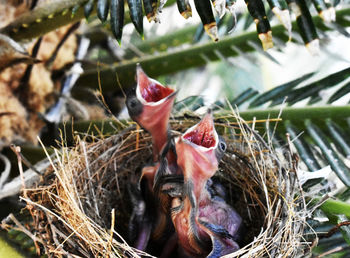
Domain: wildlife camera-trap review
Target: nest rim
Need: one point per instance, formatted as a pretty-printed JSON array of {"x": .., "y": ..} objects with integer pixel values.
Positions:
[{"x": 268, "y": 187}]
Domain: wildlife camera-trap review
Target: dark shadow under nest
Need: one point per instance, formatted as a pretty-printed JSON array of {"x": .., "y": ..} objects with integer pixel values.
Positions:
[{"x": 84, "y": 194}]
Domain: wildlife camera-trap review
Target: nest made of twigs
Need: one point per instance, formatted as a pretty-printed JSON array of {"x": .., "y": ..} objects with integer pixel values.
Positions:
[{"x": 82, "y": 208}]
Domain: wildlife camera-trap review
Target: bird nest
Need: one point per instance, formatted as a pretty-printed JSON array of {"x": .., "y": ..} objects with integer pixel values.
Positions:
[{"x": 82, "y": 206}]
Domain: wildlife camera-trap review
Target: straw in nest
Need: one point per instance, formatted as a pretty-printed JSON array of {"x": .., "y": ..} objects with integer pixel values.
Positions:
[{"x": 82, "y": 207}]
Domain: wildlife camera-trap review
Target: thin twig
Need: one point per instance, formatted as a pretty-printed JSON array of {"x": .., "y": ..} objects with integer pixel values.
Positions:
[
  {"x": 337, "y": 227},
  {"x": 137, "y": 137},
  {"x": 23, "y": 229},
  {"x": 25, "y": 160},
  {"x": 112, "y": 227},
  {"x": 90, "y": 178},
  {"x": 17, "y": 151},
  {"x": 6, "y": 172},
  {"x": 334, "y": 250}
]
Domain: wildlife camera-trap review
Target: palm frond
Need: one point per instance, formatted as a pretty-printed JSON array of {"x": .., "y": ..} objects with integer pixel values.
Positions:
[{"x": 172, "y": 57}]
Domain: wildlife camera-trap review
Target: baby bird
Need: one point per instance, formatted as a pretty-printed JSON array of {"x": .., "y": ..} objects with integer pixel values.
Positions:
[
  {"x": 149, "y": 104},
  {"x": 205, "y": 224}
]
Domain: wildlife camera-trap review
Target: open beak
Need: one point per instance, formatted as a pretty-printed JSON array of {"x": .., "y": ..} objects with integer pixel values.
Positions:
[
  {"x": 157, "y": 101},
  {"x": 196, "y": 150},
  {"x": 151, "y": 107},
  {"x": 150, "y": 91}
]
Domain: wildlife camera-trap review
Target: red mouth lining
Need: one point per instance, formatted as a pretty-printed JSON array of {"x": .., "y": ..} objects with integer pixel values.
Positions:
[
  {"x": 155, "y": 92},
  {"x": 151, "y": 91},
  {"x": 203, "y": 135}
]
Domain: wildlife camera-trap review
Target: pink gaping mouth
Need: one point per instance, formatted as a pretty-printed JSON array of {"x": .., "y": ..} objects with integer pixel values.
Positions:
[
  {"x": 151, "y": 90},
  {"x": 203, "y": 134}
]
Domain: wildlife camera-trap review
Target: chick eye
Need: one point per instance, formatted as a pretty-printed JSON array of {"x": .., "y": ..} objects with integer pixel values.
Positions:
[
  {"x": 222, "y": 146},
  {"x": 133, "y": 103},
  {"x": 134, "y": 106}
]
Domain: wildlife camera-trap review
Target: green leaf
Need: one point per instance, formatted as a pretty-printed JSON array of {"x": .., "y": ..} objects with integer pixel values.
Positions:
[
  {"x": 303, "y": 148},
  {"x": 278, "y": 92},
  {"x": 298, "y": 115},
  {"x": 181, "y": 59},
  {"x": 335, "y": 207},
  {"x": 50, "y": 16},
  {"x": 43, "y": 19},
  {"x": 162, "y": 43},
  {"x": 314, "y": 88},
  {"x": 332, "y": 157},
  {"x": 345, "y": 230},
  {"x": 191, "y": 103},
  {"x": 340, "y": 93},
  {"x": 344, "y": 196},
  {"x": 340, "y": 138},
  {"x": 6, "y": 250},
  {"x": 243, "y": 97}
]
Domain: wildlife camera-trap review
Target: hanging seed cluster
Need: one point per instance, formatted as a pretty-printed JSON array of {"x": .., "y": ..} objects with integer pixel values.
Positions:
[
  {"x": 281, "y": 8},
  {"x": 84, "y": 202}
]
